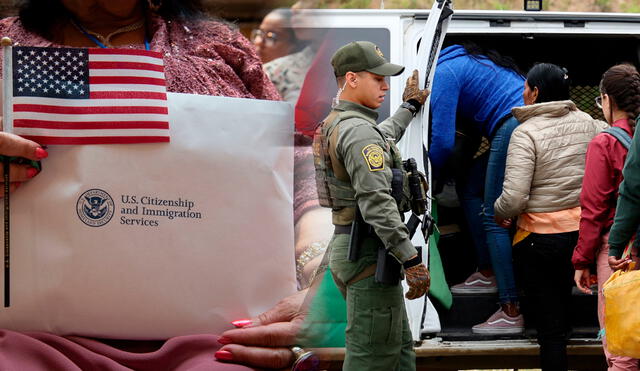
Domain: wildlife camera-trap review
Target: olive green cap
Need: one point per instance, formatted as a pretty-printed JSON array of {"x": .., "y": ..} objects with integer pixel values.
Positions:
[{"x": 363, "y": 56}]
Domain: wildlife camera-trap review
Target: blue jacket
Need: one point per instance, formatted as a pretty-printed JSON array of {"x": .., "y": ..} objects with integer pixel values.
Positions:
[{"x": 477, "y": 91}]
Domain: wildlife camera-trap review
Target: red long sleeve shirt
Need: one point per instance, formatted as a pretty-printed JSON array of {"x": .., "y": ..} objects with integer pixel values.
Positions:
[{"x": 602, "y": 178}]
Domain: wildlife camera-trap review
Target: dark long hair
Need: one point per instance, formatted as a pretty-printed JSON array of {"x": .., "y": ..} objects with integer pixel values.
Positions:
[
  {"x": 552, "y": 82},
  {"x": 40, "y": 16},
  {"x": 478, "y": 53},
  {"x": 622, "y": 84}
]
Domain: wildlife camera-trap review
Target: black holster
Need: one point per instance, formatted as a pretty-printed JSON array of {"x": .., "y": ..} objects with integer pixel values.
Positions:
[
  {"x": 388, "y": 269},
  {"x": 359, "y": 230}
]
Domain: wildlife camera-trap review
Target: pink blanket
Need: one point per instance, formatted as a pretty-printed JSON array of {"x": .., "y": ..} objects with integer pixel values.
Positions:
[{"x": 42, "y": 351}]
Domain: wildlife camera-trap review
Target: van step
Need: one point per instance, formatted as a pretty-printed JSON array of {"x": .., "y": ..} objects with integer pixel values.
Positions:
[
  {"x": 470, "y": 310},
  {"x": 465, "y": 334},
  {"x": 438, "y": 354}
]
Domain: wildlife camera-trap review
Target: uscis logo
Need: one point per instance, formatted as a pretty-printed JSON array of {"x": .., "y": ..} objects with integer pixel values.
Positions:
[{"x": 95, "y": 208}]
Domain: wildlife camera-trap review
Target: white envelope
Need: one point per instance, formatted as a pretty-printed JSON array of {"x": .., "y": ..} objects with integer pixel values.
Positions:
[{"x": 208, "y": 240}]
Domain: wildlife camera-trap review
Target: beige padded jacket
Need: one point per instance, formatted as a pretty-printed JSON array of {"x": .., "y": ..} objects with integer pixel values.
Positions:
[{"x": 545, "y": 160}]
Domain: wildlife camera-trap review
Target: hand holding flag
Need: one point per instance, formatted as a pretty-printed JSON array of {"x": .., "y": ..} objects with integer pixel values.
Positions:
[{"x": 77, "y": 96}]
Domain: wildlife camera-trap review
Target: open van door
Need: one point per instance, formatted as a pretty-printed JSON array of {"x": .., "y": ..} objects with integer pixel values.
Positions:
[{"x": 426, "y": 49}]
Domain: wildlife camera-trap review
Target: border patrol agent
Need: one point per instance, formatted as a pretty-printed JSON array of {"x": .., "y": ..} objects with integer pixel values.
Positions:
[{"x": 356, "y": 160}]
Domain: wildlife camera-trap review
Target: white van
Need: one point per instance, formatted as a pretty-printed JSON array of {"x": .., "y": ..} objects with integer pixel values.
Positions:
[{"x": 584, "y": 43}]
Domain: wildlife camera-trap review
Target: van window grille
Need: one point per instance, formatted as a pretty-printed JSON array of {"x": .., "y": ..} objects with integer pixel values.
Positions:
[{"x": 584, "y": 97}]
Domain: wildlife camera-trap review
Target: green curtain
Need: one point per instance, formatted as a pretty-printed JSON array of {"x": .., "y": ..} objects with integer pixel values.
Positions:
[{"x": 439, "y": 289}]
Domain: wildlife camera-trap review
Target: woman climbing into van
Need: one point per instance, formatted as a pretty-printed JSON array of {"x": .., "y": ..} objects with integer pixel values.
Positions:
[
  {"x": 620, "y": 103},
  {"x": 479, "y": 88},
  {"x": 542, "y": 181}
]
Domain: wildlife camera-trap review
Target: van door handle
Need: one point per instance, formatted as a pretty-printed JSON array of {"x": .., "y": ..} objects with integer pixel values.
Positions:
[
  {"x": 500, "y": 23},
  {"x": 574, "y": 23}
]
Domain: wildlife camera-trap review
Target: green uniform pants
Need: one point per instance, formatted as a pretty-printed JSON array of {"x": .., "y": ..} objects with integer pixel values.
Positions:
[{"x": 377, "y": 334}]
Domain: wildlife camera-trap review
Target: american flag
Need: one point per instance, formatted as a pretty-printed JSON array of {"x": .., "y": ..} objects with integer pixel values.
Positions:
[{"x": 89, "y": 96}]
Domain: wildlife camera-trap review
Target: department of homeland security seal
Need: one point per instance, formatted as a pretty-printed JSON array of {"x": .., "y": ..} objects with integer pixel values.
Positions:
[{"x": 95, "y": 207}]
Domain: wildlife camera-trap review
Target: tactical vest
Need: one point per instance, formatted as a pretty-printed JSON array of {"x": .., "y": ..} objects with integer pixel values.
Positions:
[{"x": 332, "y": 180}]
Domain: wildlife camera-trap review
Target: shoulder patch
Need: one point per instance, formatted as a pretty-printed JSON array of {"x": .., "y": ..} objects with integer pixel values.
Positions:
[{"x": 374, "y": 157}]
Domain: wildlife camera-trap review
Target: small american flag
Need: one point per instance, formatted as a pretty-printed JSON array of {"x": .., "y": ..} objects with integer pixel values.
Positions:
[{"x": 89, "y": 96}]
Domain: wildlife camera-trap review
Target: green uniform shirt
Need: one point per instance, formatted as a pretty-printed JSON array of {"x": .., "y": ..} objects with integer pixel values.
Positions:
[{"x": 366, "y": 156}]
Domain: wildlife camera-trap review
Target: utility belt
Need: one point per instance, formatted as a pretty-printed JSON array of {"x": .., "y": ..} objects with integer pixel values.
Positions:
[{"x": 388, "y": 269}]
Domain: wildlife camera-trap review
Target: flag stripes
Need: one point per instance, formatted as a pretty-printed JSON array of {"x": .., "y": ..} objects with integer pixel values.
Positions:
[
  {"x": 52, "y": 140},
  {"x": 92, "y": 124},
  {"x": 89, "y": 96}
]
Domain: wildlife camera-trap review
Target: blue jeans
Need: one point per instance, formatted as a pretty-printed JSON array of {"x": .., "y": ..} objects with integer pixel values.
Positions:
[
  {"x": 498, "y": 239},
  {"x": 470, "y": 190},
  {"x": 478, "y": 192}
]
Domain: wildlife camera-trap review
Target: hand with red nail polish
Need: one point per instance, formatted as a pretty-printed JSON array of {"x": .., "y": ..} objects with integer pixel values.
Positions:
[
  {"x": 264, "y": 341},
  {"x": 31, "y": 172},
  {"x": 14, "y": 146},
  {"x": 223, "y": 355},
  {"x": 242, "y": 323},
  {"x": 41, "y": 153}
]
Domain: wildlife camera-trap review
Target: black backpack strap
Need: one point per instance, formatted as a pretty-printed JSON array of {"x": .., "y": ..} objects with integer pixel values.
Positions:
[{"x": 620, "y": 134}]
